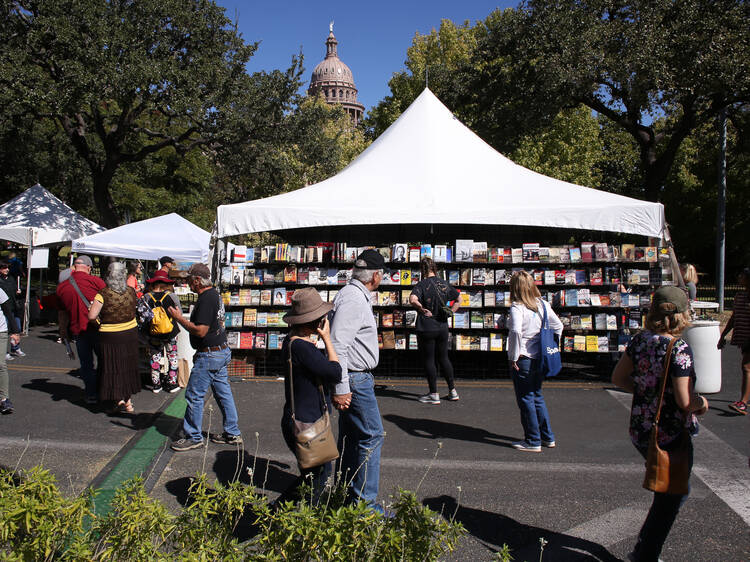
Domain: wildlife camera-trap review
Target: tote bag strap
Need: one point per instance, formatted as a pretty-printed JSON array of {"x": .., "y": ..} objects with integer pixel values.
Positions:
[
  {"x": 665, "y": 373},
  {"x": 545, "y": 321},
  {"x": 291, "y": 380}
]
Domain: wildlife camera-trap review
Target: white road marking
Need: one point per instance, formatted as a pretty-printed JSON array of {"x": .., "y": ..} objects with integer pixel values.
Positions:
[
  {"x": 727, "y": 476},
  {"x": 611, "y": 527},
  {"x": 20, "y": 442}
]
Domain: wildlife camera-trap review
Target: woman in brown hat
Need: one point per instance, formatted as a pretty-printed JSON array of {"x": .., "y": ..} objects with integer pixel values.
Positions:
[{"x": 310, "y": 368}]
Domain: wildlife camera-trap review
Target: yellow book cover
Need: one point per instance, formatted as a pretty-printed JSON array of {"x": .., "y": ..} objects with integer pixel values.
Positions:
[
  {"x": 406, "y": 276},
  {"x": 464, "y": 299},
  {"x": 249, "y": 317},
  {"x": 592, "y": 343},
  {"x": 579, "y": 343}
]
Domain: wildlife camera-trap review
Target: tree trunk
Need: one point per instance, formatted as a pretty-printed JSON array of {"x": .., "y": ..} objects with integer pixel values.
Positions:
[{"x": 103, "y": 198}]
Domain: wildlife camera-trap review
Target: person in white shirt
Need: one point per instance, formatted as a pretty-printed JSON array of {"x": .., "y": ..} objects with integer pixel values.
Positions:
[{"x": 523, "y": 354}]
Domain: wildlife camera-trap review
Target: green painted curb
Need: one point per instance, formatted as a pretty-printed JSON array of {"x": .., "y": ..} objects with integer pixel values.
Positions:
[{"x": 137, "y": 459}]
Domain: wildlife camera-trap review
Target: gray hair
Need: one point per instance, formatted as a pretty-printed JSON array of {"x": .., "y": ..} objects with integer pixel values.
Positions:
[
  {"x": 202, "y": 281},
  {"x": 116, "y": 277},
  {"x": 364, "y": 275}
]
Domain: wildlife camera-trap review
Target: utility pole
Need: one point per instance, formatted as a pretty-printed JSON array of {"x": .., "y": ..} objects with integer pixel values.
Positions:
[{"x": 721, "y": 207}]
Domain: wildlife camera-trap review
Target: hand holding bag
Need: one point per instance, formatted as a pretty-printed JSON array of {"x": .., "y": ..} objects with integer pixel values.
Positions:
[
  {"x": 315, "y": 444},
  {"x": 667, "y": 471},
  {"x": 550, "y": 363}
]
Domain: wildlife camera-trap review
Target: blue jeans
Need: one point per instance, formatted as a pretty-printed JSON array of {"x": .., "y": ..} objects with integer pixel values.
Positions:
[
  {"x": 209, "y": 369},
  {"x": 527, "y": 382},
  {"x": 361, "y": 438},
  {"x": 86, "y": 343},
  {"x": 19, "y": 328},
  {"x": 660, "y": 518}
]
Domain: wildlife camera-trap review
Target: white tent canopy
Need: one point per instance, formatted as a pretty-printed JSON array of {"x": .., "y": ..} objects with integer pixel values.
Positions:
[
  {"x": 430, "y": 168},
  {"x": 38, "y": 218},
  {"x": 150, "y": 239}
]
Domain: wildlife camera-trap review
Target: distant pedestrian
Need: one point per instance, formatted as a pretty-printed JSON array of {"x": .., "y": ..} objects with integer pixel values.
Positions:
[
  {"x": 524, "y": 327},
  {"x": 739, "y": 323},
  {"x": 76, "y": 292},
  {"x": 639, "y": 372},
  {"x": 310, "y": 368},
  {"x": 7, "y": 321},
  {"x": 430, "y": 297},
  {"x": 208, "y": 337},
  {"x": 355, "y": 339},
  {"x": 166, "y": 264},
  {"x": 160, "y": 332},
  {"x": 134, "y": 273},
  {"x": 690, "y": 277},
  {"x": 8, "y": 283},
  {"x": 114, "y": 306}
]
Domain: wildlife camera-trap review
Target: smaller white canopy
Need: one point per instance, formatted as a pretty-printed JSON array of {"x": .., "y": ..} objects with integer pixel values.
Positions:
[
  {"x": 37, "y": 218},
  {"x": 150, "y": 239}
]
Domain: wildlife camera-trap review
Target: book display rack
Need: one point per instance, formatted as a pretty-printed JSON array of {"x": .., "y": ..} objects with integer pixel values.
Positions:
[{"x": 600, "y": 292}]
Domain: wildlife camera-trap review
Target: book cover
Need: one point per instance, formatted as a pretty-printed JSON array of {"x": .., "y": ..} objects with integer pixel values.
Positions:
[
  {"x": 549, "y": 277},
  {"x": 530, "y": 252},
  {"x": 233, "y": 340},
  {"x": 640, "y": 253},
  {"x": 466, "y": 277},
  {"x": 508, "y": 255},
  {"x": 332, "y": 276},
  {"x": 416, "y": 276},
  {"x": 266, "y": 297},
  {"x": 568, "y": 343},
  {"x": 259, "y": 341},
  {"x": 496, "y": 342},
  {"x": 516, "y": 255},
  {"x": 476, "y": 319},
  {"x": 461, "y": 319},
  {"x": 584, "y": 297},
  {"x": 406, "y": 276},
  {"x": 454, "y": 277},
  {"x": 273, "y": 340},
  {"x": 479, "y": 252},
  {"x": 389, "y": 339},
  {"x": 343, "y": 276},
  {"x": 489, "y": 299},
  {"x": 410, "y": 319},
  {"x": 255, "y": 297},
  {"x": 278, "y": 277},
  {"x": 600, "y": 321},
  {"x": 484, "y": 343},
  {"x": 399, "y": 253},
  {"x": 603, "y": 344},
  {"x": 289, "y": 295},
  {"x": 250, "y": 317},
  {"x": 290, "y": 273},
  {"x": 596, "y": 299},
  {"x": 643, "y": 277},
  {"x": 650, "y": 252},
  {"x": 261, "y": 319},
  {"x": 581, "y": 277},
  {"x": 570, "y": 276},
  {"x": 323, "y": 295},
  {"x": 587, "y": 251},
  {"x": 592, "y": 344},
  {"x": 413, "y": 342},
  {"x": 464, "y": 299},
  {"x": 575, "y": 255},
  {"x": 564, "y": 255},
  {"x": 463, "y": 250},
  {"x": 398, "y": 318},
  {"x": 414, "y": 254},
  {"x": 595, "y": 276},
  {"x": 604, "y": 300},
  {"x": 479, "y": 274},
  {"x": 332, "y": 294},
  {"x": 386, "y": 320},
  {"x": 634, "y": 319},
  {"x": 440, "y": 254},
  {"x": 611, "y": 322},
  {"x": 494, "y": 254},
  {"x": 600, "y": 251},
  {"x": 544, "y": 254},
  {"x": 244, "y": 296},
  {"x": 246, "y": 340},
  {"x": 425, "y": 251},
  {"x": 279, "y": 296},
  {"x": 351, "y": 253},
  {"x": 400, "y": 341},
  {"x": 579, "y": 343},
  {"x": 627, "y": 252},
  {"x": 586, "y": 322},
  {"x": 501, "y": 277},
  {"x": 449, "y": 253},
  {"x": 405, "y": 297},
  {"x": 559, "y": 277},
  {"x": 248, "y": 276},
  {"x": 393, "y": 276},
  {"x": 538, "y": 275}
]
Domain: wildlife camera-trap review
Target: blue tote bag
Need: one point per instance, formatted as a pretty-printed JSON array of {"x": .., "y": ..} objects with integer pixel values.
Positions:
[{"x": 550, "y": 362}]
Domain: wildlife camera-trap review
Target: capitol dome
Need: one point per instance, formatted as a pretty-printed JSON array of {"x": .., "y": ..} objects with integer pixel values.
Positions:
[{"x": 335, "y": 80}]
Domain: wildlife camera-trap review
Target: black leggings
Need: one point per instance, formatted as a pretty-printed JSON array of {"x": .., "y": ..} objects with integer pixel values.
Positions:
[{"x": 434, "y": 347}]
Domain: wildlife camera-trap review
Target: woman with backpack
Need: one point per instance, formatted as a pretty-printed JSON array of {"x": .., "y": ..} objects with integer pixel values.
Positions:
[
  {"x": 160, "y": 331},
  {"x": 431, "y": 297}
]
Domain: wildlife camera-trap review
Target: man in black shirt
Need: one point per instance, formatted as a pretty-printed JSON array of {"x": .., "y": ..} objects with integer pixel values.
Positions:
[{"x": 209, "y": 339}]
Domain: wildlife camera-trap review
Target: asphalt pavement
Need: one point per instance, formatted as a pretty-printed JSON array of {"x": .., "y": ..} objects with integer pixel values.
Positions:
[{"x": 584, "y": 497}]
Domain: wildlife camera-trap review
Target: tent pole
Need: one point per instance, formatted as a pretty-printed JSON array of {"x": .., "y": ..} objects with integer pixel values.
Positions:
[{"x": 28, "y": 284}]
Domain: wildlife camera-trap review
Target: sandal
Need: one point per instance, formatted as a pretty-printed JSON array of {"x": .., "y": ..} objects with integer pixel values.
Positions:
[{"x": 740, "y": 407}]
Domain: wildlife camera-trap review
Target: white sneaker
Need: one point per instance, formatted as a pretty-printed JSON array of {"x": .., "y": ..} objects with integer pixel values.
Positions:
[
  {"x": 18, "y": 353},
  {"x": 9, "y": 357},
  {"x": 429, "y": 399},
  {"x": 452, "y": 395},
  {"x": 549, "y": 444},
  {"x": 524, "y": 446}
]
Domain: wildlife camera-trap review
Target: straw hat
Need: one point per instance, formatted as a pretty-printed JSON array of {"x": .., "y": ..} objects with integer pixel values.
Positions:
[{"x": 306, "y": 307}]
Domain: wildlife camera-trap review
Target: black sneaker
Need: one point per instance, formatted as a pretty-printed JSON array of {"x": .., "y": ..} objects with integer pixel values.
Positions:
[
  {"x": 172, "y": 388},
  {"x": 226, "y": 439},
  {"x": 6, "y": 407},
  {"x": 156, "y": 389},
  {"x": 186, "y": 444}
]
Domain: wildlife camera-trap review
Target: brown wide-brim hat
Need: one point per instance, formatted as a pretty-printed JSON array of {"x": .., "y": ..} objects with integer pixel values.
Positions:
[{"x": 306, "y": 307}]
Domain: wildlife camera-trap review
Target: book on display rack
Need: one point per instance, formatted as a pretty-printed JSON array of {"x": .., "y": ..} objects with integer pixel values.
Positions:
[{"x": 600, "y": 291}]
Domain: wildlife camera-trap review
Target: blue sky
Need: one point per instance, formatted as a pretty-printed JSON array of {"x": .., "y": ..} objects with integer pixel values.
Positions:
[{"x": 373, "y": 36}]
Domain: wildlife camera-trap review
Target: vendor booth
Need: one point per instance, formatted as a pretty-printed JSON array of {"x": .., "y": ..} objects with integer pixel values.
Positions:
[
  {"x": 425, "y": 183},
  {"x": 37, "y": 218}
]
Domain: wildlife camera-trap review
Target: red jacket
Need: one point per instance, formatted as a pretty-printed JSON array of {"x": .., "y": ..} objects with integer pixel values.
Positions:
[{"x": 79, "y": 314}]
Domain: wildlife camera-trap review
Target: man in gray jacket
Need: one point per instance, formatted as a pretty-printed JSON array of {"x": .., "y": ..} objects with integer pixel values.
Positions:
[{"x": 355, "y": 337}]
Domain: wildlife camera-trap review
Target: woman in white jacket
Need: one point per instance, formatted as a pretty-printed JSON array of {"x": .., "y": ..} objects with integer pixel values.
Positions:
[{"x": 523, "y": 354}]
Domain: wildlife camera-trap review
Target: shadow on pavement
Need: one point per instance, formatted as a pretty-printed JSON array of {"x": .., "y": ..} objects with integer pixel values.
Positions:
[
  {"x": 164, "y": 424},
  {"x": 435, "y": 429},
  {"x": 267, "y": 474},
  {"x": 496, "y": 530},
  {"x": 385, "y": 392},
  {"x": 60, "y": 391}
]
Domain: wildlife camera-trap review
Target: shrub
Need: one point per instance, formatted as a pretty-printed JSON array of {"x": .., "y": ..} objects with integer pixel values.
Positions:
[{"x": 38, "y": 523}]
